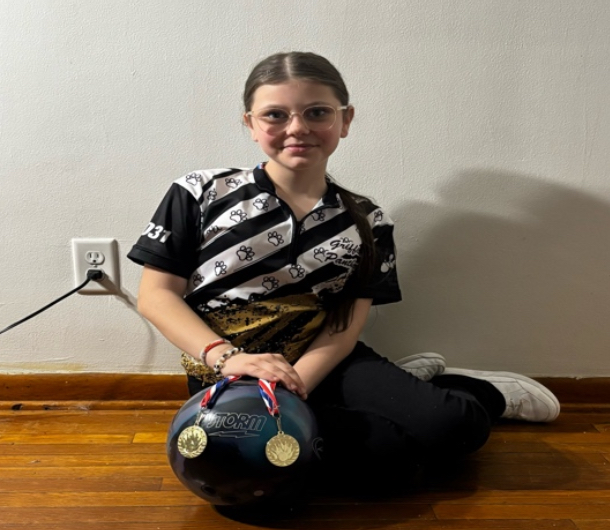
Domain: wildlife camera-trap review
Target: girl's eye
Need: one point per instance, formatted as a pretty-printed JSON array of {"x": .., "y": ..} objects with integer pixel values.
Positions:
[
  {"x": 318, "y": 113},
  {"x": 273, "y": 115}
]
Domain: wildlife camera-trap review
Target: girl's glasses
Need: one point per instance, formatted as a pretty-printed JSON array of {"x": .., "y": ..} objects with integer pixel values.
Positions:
[{"x": 316, "y": 118}]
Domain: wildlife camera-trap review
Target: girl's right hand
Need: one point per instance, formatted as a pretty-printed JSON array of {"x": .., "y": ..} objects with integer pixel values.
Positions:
[{"x": 272, "y": 367}]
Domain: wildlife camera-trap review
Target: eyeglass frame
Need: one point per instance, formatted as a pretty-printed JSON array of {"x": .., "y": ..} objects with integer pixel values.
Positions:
[{"x": 291, "y": 115}]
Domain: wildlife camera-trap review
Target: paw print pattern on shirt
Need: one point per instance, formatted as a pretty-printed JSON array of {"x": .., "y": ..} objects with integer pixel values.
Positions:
[
  {"x": 261, "y": 204},
  {"x": 220, "y": 268},
  {"x": 275, "y": 239},
  {"x": 319, "y": 254},
  {"x": 323, "y": 255},
  {"x": 297, "y": 271},
  {"x": 237, "y": 216},
  {"x": 194, "y": 178},
  {"x": 245, "y": 253},
  {"x": 197, "y": 279},
  {"x": 388, "y": 264},
  {"x": 378, "y": 217},
  {"x": 212, "y": 194},
  {"x": 270, "y": 283},
  {"x": 212, "y": 230},
  {"x": 318, "y": 216},
  {"x": 232, "y": 182}
]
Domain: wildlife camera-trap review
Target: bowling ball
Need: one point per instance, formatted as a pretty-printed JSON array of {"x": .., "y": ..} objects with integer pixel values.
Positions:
[{"x": 234, "y": 469}]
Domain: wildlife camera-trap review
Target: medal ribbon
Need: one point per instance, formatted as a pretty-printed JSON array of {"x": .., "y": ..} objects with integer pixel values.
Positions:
[
  {"x": 267, "y": 391},
  {"x": 282, "y": 449},
  {"x": 214, "y": 391}
]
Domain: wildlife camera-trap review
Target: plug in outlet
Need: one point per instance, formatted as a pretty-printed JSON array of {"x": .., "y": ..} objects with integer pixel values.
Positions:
[{"x": 96, "y": 254}]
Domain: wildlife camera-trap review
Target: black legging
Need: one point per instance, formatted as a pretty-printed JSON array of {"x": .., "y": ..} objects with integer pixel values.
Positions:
[{"x": 374, "y": 413}]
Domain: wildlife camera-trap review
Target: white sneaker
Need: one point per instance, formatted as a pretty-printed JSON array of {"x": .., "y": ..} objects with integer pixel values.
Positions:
[
  {"x": 424, "y": 366},
  {"x": 526, "y": 399}
]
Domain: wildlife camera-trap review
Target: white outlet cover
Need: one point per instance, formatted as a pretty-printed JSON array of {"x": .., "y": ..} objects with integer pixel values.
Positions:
[{"x": 108, "y": 247}]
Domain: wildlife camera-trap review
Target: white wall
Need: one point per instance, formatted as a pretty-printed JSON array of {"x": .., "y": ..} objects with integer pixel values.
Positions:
[{"x": 482, "y": 126}]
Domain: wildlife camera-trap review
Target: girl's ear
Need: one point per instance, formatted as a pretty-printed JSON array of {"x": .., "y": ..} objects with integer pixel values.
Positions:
[
  {"x": 248, "y": 123},
  {"x": 348, "y": 116}
]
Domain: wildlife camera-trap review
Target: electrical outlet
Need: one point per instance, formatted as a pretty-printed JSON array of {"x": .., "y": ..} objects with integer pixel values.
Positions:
[{"x": 96, "y": 254}]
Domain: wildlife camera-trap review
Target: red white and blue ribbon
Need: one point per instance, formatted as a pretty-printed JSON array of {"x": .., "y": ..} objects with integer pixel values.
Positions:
[
  {"x": 267, "y": 391},
  {"x": 213, "y": 392}
]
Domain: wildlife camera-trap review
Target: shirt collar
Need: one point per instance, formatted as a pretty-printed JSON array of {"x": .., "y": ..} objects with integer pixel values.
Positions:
[{"x": 262, "y": 180}]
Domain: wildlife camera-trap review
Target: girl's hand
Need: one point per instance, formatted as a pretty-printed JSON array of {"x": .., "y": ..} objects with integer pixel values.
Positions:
[{"x": 270, "y": 366}]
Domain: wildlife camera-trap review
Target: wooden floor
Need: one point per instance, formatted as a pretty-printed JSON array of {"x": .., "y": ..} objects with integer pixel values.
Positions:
[{"x": 100, "y": 465}]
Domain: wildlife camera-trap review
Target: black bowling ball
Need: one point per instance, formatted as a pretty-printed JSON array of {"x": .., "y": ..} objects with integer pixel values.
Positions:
[{"x": 234, "y": 468}]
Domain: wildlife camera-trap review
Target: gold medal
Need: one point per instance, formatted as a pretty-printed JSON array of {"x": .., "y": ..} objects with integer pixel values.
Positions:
[
  {"x": 282, "y": 450},
  {"x": 192, "y": 441}
]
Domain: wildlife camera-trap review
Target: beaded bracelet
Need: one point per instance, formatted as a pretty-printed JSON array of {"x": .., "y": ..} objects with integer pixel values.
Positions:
[
  {"x": 204, "y": 351},
  {"x": 220, "y": 363}
]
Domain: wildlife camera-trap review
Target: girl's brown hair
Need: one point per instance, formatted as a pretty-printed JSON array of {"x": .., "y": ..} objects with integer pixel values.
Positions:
[{"x": 280, "y": 68}]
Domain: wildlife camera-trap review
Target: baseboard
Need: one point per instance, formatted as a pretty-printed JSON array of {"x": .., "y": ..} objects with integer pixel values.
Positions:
[
  {"x": 154, "y": 387},
  {"x": 92, "y": 387},
  {"x": 594, "y": 390}
]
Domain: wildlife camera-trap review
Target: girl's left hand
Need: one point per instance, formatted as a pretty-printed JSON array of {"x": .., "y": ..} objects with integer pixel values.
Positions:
[{"x": 270, "y": 366}]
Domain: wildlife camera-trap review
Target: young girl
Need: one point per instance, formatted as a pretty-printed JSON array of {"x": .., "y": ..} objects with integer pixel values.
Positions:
[{"x": 271, "y": 273}]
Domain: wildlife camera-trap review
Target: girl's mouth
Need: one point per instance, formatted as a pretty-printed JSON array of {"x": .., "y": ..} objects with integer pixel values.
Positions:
[{"x": 297, "y": 148}]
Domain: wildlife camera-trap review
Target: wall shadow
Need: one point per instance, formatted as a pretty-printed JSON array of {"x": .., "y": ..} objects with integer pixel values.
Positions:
[{"x": 502, "y": 271}]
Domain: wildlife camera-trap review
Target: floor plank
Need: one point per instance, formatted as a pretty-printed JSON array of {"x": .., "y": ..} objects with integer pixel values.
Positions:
[
  {"x": 73, "y": 466},
  {"x": 600, "y": 524},
  {"x": 320, "y": 525}
]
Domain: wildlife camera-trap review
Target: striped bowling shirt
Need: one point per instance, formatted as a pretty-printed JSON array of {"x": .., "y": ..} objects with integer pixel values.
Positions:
[{"x": 256, "y": 275}]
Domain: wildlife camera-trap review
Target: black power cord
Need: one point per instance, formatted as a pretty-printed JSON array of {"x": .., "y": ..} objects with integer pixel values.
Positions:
[{"x": 92, "y": 274}]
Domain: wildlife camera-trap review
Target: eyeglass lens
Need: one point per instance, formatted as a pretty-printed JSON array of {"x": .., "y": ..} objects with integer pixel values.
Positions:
[{"x": 317, "y": 118}]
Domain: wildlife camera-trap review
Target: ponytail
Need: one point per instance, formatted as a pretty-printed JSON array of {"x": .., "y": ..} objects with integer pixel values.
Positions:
[{"x": 340, "y": 316}]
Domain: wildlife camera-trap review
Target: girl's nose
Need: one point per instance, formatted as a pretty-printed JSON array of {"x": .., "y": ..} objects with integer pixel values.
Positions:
[{"x": 297, "y": 125}]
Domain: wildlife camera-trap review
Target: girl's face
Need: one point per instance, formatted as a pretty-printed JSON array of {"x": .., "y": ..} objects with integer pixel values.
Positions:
[{"x": 297, "y": 148}]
